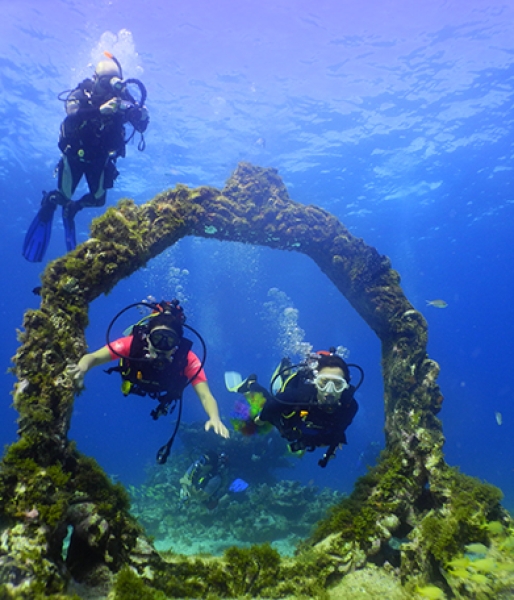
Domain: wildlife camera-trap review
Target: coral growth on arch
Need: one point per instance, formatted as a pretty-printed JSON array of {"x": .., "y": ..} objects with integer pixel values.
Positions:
[{"x": 412, "y": 511}]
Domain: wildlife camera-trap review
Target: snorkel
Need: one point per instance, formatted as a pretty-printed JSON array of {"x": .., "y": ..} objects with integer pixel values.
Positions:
[
  {"x": 114, "y": 60},
  {"x": 122, "y": 84}
]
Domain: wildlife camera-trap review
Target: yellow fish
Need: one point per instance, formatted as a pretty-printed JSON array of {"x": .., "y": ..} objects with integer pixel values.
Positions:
[
  {"x": 484, "y": 565},
  {"x": 479, "y": 578},
  {"x": 476, "y": 548},
  {"x": 431, "y": 591},
  {"x": 437, "y": 303},
  {"x": 460, "y": 563}
]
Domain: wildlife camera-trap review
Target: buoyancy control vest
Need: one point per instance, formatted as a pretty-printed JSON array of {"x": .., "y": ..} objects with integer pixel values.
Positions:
[
  {"x": 85, "y": 133},
  {"x": 153, "y": 377},
  {"x": 302, "y": 419}
]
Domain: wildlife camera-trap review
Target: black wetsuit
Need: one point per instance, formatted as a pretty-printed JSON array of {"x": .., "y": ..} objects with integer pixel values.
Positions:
[
  {"x": 301, "y": 420},
  {"x": 206, "y": 480},
  {"x": 91, "y": 141}
]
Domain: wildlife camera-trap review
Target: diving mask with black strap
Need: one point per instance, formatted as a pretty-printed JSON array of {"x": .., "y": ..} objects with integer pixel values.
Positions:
[{"x": 163, "y": 340}]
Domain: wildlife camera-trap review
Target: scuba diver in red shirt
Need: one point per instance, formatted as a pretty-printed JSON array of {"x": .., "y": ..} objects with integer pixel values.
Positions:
[
  {"x": 156, "y": 361},
  {"x": 92, "y": 138},
  {"x": 311, "y": 404}
]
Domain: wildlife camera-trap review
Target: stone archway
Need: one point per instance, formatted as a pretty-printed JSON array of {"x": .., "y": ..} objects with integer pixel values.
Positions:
[{"x": 45, "y": 484}]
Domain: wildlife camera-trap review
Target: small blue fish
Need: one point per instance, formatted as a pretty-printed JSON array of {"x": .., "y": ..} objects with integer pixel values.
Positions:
[{"x": 238, "y": 485}]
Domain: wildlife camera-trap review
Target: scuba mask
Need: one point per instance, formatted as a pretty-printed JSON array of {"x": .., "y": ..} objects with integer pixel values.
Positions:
[
  {"x": 163, "y": 340},
  {"x": 102, "y": 86},
  {"x": 330, "y": 384}
]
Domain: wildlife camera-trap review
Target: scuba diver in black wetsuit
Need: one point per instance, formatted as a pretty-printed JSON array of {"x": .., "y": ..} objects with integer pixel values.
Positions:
[
  {"x": 92, "y": 138},
  {"x": 206, "y": 480},
  {"x": 312, "y": 406}
]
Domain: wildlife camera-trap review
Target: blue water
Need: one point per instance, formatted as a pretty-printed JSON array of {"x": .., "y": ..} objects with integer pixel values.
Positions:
[{"x": 395, "y": 116}]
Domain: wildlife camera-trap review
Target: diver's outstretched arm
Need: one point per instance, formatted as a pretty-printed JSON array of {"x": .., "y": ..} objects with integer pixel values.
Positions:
[
  {"x": 211, "y": 408},
  {"x": 78, "y": 371}
]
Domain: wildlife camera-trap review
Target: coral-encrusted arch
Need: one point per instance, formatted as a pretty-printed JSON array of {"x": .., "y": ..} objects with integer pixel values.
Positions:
[{"x": 42, "y": 470}]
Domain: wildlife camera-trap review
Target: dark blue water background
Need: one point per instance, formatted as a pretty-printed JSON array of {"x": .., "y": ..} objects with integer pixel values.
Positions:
[{"x": 395, "y": 116}]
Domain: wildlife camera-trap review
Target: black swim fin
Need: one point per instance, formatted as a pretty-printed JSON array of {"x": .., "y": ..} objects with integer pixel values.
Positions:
[
  {"x": 38, "y": 235},
  {"x": 68, "y": 220}
]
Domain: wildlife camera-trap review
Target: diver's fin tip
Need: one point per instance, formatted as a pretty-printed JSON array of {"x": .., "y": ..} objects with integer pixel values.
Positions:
[
  {"x": 233, "y": 380},
  {"x": 38, "y": 234}
]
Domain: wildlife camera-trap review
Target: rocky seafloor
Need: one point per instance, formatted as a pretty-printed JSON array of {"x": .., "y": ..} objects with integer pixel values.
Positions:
[{"x": 270, "y": 510}]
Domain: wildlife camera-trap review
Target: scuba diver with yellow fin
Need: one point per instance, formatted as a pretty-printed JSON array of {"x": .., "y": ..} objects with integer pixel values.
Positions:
[
  {"x": 156, "y": 360},
  {"x": 92, "y": 138},
  {"x": 311, "y": 404}
]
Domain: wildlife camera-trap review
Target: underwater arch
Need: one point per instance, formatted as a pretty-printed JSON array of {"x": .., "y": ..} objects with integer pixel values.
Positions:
[{"x": 46, "y": 484}]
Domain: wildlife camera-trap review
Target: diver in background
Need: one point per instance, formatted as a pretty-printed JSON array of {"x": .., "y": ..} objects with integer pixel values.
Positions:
[
  {"x": 92, "y": 138},
  {"x": 313, "y": 406},
  {"x": 206, "y": 480}
]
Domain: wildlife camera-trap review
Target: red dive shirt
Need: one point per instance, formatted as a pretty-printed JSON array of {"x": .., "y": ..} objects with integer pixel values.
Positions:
[{"x": 122, "y": 346}]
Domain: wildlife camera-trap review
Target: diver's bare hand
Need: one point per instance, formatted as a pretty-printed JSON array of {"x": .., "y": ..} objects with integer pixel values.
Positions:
[
  {"x": 110, "y": 107},
  {"x": 218, "y": 427},
  {"x": 77, "y": 374}
]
